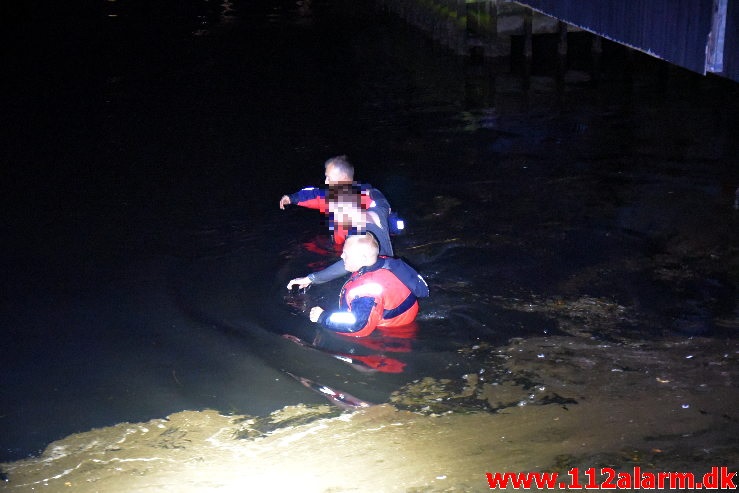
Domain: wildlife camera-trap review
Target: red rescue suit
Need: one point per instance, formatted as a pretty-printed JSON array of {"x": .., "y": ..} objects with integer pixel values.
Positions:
[{"x": 372, "y": 297}]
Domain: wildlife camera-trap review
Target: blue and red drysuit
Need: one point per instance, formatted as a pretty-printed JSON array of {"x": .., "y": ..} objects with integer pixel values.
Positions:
[
  {"x": 315, "y": 198},
  {"x": 384, "y": 294}
]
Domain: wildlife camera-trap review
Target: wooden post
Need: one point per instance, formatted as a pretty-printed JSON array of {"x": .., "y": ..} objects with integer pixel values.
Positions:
[
  {"x": 562, "y": 45},
  {"x": 528, "y": 49},
  {"x": 459, "y": 23},
  {"x": 561, "y": 55},
  {"x": 596, "y": 52},
  {"x": 443, "y": 21},
  {"x": 491, "y": 29},
  {"x": 475, "y": 28},
  {"x": 528, "y": 46}
]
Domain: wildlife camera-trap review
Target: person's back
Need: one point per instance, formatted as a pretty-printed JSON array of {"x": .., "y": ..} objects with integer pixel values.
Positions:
[
  {"x": 381, "y": 292},
  {"x": 395, "y": 303}
]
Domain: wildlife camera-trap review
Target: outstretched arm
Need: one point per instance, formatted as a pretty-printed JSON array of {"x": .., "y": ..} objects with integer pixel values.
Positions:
[
  {"x": 312, "y": 198},
  {"x": 333, "y": 271}
]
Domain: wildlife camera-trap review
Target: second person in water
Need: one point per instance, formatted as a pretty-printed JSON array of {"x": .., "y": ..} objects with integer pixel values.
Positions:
[{"x": 344, "y": 204}]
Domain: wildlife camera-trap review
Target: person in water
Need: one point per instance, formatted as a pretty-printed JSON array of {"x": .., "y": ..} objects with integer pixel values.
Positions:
[
  {"x": 381, "y": 292},
  {"x": 339, "y": 172},
  {"x": 345, "y": 208}
]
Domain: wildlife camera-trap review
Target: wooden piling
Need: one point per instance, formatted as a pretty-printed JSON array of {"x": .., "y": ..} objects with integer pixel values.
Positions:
[
  {"x": 596, "y": 52},
  {"x": 528, "y": 45}
]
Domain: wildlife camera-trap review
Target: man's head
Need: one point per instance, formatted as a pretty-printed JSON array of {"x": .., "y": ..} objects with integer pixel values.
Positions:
[
  {"x": 339, "y": 170},
  {"x": 360, "y": 251}
]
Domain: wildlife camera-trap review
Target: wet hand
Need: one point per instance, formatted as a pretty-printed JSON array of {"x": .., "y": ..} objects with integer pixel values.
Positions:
[
  {"x": 285, "y": 200},
  {"x": 315, "y": 312},
  {"x": 301, "y": 282}
]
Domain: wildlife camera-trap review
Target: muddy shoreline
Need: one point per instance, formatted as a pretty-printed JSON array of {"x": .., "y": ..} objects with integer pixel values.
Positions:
[{"x": 538, "y": 404}]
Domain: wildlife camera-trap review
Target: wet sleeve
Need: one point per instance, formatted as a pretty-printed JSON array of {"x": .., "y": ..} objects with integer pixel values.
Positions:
[
  {"x": 383, "y": 239},
  {"x": 378, "y": 205},
  {"x": 363, "y": 316},
  {"x": 312, "y": 198},
  {"x": 378, "y": 200},
  {"x": 380, "y": 210},
  {"x": 333, "y": 271}
]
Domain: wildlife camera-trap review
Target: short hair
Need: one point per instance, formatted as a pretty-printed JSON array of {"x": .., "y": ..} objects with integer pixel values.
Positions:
[
  {"x": 367, "y": 241},
  {"x": 342, "y": 164},
  {"x": 344, "y": 194}
]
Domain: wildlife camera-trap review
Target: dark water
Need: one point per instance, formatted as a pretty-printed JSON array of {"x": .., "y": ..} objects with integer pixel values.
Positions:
[{"x": 146, "y": 145}]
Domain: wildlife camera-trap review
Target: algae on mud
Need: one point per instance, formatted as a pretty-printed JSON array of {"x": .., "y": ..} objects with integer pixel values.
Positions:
[{"x": 555, "y": 403}]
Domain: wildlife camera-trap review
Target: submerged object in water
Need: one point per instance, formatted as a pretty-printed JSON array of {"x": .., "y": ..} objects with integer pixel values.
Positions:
[
  {"x": 371, "y": 363},
  {"x": 365, "y": 364},
  {"x": 341, "y": 399},
  {"x": 350, "y": 360}
]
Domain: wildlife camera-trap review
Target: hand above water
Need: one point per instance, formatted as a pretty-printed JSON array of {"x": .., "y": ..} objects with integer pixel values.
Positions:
[
  {"x": 315, "y": 312},
  {"x": 301, "y": 282},
  {"x": 285, "y": 200}
]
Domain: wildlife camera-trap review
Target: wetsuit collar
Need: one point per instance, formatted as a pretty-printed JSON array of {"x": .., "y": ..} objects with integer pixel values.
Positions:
[{"x": 373, "y": 267}]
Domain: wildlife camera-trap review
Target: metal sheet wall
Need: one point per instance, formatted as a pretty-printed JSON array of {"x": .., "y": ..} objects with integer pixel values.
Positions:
[
  {"x": 674, "y": 30},
  {"x": 731, "y": 42}
]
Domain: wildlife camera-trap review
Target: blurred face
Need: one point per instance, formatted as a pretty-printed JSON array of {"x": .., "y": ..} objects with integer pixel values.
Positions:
[
  {"x": 334, "y": 176},
  {"x": 354, "y": 255},
  {"x": 346, "y": 213}
]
